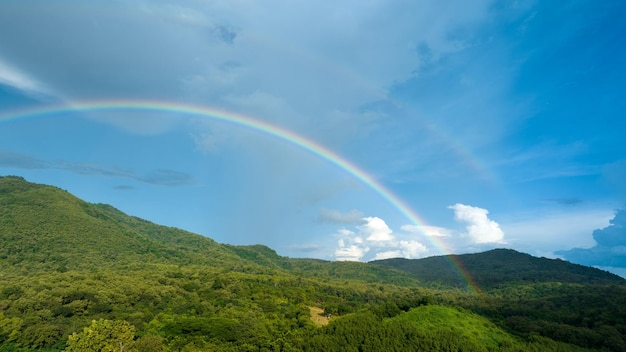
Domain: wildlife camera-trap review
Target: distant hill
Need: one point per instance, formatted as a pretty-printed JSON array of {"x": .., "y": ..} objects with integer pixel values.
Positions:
[
  {"x": 316, "y": 268},
  {"x": 496, "y": 267}
]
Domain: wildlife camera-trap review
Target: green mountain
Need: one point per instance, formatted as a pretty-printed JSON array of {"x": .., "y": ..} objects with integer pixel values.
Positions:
[
  {"x": 46, "y": 228},
  {"x": 498, "y": 267},
  {"x": 77, "y": 276}
]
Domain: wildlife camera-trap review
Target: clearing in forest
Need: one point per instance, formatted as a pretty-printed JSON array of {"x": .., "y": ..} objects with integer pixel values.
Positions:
[{"x": 318, "y": 317}]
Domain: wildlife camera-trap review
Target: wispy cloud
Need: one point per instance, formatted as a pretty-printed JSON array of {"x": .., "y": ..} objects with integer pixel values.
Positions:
[
  {"x": 21, "y": 161},
  {"x": 170, "y": 178},
  {"x": 549, "y": 160},
  {"x": 161, "y": 177},
  {"x": 563, "y": 201},
  {"x": 15, "y": 78}
]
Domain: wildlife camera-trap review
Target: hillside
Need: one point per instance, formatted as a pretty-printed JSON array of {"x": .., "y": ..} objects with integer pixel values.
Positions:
[
  {"x": 46, "y": 228},
  {"x": 66, "y": 265},
  {"x": 497, "y": 267}
]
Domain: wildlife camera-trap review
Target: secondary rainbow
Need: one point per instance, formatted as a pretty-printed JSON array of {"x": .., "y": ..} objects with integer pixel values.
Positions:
[{"x": 248, "y": 122}]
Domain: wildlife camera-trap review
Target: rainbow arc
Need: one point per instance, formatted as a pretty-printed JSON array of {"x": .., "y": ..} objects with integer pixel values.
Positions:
[{"x": 253, "y": 124}]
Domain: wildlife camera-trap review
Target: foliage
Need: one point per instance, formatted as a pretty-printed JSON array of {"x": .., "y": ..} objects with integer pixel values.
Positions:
[
  {"x": 82, "y": 276},
  {"x": 497, "y": 267},
  {"x": 103, "y": 335}
]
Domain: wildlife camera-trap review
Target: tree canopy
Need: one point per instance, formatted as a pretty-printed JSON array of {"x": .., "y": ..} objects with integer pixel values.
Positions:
[{"x": 86, "y": 277}]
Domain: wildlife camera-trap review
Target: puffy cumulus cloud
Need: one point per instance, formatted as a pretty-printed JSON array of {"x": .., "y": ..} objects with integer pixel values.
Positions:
[
  {"x": 336, "y": 217},
  {"x": 376, "y": 230},
  {"x": 479, "y": 227},
  {"x": 412, "y": 249},
  {"x": 610, "y": 248},
  {"x": 613, "y": 235},
  {"x": 388, "y": 255},
  {"x": 406, "y": 249},
  {"x": 374, "y": 240},
  {"x": 350, "y": 252}
]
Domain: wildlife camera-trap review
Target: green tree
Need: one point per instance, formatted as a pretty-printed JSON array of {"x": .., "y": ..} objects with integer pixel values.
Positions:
[
  {"x": 103, "y": 336},
  {"x": 149, "y": 343}
]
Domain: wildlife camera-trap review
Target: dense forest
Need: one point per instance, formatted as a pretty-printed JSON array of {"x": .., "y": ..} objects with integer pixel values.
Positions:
[{"x": 77, "y": 276}]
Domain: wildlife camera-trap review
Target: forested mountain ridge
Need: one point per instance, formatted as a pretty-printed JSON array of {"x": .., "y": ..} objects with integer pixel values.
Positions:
[
  {"x": 66, "y": 265},
  {"x": 498, "y": 267},
  {"x": 46, "y": 227}
]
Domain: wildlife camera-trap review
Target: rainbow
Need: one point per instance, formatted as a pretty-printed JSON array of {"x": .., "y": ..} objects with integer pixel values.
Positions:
[{"x": 257, "y": 125}]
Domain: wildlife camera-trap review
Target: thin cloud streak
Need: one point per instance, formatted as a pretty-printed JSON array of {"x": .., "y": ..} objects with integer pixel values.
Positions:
[{"x": 161, "y": 177}]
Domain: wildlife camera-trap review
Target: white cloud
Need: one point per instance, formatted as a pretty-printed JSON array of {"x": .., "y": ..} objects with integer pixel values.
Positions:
[
  {"x": 349, "y": 253},
  {"x": 412, "y": 249},
  {"x": 350, "y": 246},
  {"x": 17, "y": 79},
  {"x": 479, "y": 227},
  {"x": 376, "y": 230},
  {"x": 388, "y": 254},
  {"x": 345, "y": 232},
  {"x": 375, "y": 240}
]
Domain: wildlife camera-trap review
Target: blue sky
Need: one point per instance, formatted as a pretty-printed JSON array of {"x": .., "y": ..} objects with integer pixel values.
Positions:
[{"x": 500, "y": 124}]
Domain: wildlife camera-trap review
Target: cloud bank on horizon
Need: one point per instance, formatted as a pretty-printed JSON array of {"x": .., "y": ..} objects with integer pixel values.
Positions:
[
  {"x": 497, "y": 123},
  {"x": 610, "y": 250}
]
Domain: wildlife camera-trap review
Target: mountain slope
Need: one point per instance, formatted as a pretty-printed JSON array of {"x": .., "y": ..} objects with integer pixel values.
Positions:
[
  {"x": 46, "y": 227},
  {"x": 496, "y": 267}
]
